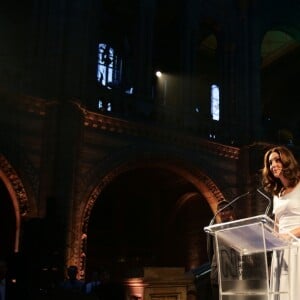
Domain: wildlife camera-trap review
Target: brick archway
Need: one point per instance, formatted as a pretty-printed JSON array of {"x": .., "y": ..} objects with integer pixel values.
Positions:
[
  {"x": 17, "y": 193},
  {"x": 199, "y": 179}
]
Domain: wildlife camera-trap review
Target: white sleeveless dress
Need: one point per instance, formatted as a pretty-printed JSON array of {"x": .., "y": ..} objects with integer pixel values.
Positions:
[{"x": 287, "y": 211}]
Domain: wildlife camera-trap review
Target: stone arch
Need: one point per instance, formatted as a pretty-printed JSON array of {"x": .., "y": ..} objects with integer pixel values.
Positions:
[
  {"x": 190, "y": 199},
  {"x": 17, "y": 193},
  {"x": 181, "y": 202},
  {"x": 198, "y": 178},
  {"x": 280, "y": 48}
]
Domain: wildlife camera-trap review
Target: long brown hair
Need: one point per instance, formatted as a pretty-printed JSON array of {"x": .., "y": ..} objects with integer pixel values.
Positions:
[{"x": 291, "y": 170}]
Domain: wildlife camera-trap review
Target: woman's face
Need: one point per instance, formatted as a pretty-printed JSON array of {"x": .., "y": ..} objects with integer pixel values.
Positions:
[{"x": 275, "y": 164}]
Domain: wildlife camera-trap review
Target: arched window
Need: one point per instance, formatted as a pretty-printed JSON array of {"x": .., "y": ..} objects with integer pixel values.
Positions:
[
  {"x": 109, "y": 67},
  {"x": 215, "y": 102},
  {"x": 109, "y": 72}
]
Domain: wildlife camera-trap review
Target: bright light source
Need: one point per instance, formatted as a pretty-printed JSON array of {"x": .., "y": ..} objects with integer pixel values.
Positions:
[
  {"x": 158, "y": 74},
  {"x": 215, "y": 102}
]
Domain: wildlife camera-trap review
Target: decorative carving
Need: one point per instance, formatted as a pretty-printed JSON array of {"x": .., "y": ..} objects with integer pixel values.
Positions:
[
  {"x": 109, "y": 177},
  {"x": 106, "y": 123},
  {"x": 16, "y": 184}
]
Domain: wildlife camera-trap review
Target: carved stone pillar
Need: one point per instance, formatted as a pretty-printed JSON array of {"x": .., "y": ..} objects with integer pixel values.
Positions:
[
  {"x": 240, "y": 81},
  {"x": 144, "y": 48}
]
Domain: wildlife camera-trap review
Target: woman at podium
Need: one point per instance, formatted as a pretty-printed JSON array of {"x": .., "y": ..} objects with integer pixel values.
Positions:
[{"x": 281, "y": 178}]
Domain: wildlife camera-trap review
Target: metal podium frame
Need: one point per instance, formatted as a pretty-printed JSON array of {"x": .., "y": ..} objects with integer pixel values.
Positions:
[{"x": 245, "y": 250}]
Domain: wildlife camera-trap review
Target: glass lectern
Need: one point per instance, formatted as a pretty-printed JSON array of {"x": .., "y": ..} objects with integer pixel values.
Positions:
[{"x": 245, "y": 249}]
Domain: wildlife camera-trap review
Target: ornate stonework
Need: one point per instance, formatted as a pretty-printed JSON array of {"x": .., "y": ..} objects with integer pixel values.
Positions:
[
  {"x": 205, "y": 185},
  {"x": 16, "y": 183},
  {"x": 106, "y": 123}
]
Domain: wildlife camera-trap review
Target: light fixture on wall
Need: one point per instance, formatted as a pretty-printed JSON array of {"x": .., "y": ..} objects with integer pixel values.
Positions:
[{"x": 158, "y": 74}]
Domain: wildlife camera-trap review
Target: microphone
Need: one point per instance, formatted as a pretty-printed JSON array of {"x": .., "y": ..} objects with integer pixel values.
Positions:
[
  {"x": 269, "y": 201},
  {"x": 227, "y": 205}
]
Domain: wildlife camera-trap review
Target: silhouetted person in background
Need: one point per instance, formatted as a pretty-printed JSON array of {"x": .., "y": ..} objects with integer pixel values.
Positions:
[
  {"x": 72, "y": 287},
  {"x": 93, "y": 284},
  {"x": 10, "y": 287},
  {"x": 3, "y": 280}
]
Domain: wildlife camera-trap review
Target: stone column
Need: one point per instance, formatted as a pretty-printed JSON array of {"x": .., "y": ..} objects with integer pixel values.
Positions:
[
  {"x": 67, "y": 145},
  {"x": 189, "y": 36},
  {"x": 144, "y": 71},
  {"x": 240, "y": 76},
  {"x": 249, "y": 110}
]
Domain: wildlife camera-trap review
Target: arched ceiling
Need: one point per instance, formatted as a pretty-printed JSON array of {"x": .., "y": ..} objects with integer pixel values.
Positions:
[{"x": 275, "y": 45}]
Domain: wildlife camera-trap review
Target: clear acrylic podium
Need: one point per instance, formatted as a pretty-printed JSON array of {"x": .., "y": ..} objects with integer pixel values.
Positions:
[{"x": 245, "y": 249}]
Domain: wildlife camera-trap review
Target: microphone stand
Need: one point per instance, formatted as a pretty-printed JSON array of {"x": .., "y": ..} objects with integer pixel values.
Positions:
[
  {"x": 228, "y": 204},
  {"x": 269, "y": 200}
]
